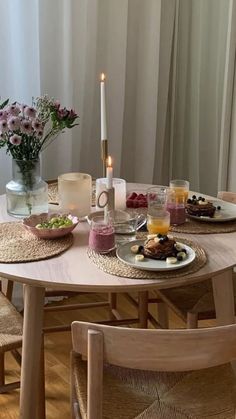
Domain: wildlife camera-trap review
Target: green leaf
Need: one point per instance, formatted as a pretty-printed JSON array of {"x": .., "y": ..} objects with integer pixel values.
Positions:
[{"x": 2, "y": 105}]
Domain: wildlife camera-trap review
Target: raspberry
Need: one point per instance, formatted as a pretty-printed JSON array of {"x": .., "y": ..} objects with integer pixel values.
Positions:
[
  {"x": 142, "y": 203},
  {"x": 135, "y": 203},
  {"x": 129, "y": 203},
  {"x": 133, "y": 195},
  {"x": 140, "y": 196}
]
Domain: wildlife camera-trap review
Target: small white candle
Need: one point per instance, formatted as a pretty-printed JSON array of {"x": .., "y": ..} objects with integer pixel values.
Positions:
[
  {"x": 109, "y": 173},
  {"x": 103, "y": 109}
]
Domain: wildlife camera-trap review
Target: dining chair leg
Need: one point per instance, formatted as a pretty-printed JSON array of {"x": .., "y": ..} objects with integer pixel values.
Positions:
[
  {"x": 41, "y": 388},
  {"x": 192, "y": 320},
  {"x": 143, "y": 309},
  {"x": 9, "y": 290},
  {"x": 2, "y": 370},
  {"x": 162, "y": 313},
  {"x": 112, "y": 298}
]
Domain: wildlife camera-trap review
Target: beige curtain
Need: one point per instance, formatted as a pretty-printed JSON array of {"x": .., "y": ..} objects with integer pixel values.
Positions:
[{"x": 166, "y": 83}]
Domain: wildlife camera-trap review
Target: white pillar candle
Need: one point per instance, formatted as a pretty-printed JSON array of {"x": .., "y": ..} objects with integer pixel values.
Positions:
[
  {"x": 109, "y": 173},
  {"x": 103, "y": 109}
]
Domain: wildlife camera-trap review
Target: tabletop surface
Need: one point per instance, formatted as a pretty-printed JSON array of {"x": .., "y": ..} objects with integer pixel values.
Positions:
[{"x": 73, "y": 270}]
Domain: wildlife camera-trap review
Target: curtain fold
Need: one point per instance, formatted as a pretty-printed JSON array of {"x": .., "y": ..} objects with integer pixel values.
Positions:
[{"x": 166, "y": 84}]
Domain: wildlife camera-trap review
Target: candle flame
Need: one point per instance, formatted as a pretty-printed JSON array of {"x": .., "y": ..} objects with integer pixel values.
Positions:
[
  {"x": 103, "y": 77},
  {"x": 109, "y": 161}
]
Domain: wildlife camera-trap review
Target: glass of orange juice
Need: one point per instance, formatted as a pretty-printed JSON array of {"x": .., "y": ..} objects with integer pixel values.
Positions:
[
  {"x": 158, "y": 222},
  {"x": 181, "y": 188}
]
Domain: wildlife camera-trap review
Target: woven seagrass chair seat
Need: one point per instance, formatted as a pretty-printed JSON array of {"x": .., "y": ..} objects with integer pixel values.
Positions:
[
  {"x": 11, "y": 325},
  {"x": 152, "y": 374},
  {"x": 135, "y": 394}
]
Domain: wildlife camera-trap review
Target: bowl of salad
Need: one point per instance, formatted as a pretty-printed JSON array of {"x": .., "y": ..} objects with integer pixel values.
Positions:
[{"x": 50, "y": 226}]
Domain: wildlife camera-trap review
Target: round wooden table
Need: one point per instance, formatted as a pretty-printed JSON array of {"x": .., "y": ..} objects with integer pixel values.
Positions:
[{"x": 74, "y": 271}]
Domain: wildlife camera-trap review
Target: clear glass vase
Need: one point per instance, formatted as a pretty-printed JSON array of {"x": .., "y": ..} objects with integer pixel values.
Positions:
[{"x": 26, "y": 193}]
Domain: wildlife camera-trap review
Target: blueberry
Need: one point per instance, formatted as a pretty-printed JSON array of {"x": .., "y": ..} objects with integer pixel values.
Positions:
[
  {"x": 199, "y": 198},
  {"x": 179, "y": 258},
  {"x": 189, "y": 201},
  {"x": 194, "y": 197},
  {"x": 159, "y": 235},
  {"x": 165, "y": 238},
  {"x": 161, "y": 241},
  {"x": 219, "y": 207},
  {"x": 203, "y": 199}
]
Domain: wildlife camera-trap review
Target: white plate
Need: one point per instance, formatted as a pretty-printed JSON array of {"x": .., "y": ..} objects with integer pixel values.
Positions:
[
  {"x": 125, "y": 255},
  {"x": 226, "y": 213}
]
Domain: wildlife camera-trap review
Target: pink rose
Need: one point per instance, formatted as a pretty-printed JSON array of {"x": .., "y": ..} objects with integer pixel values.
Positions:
[
  {"x": 3, "y": 114},
  {"x": 15, "y": 139},
  {"x": 13, "y": 123},
  {"x": 26, "y": 126},
  {"x": 13, "y": 110},
  {"x": 30, "y": 112},
  {"x": 3, "y": 126}
]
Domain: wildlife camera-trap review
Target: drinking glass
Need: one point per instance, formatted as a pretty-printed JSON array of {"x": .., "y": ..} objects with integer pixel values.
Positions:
[
  {"x": 181, "y": 188},
  {"x": 176, "y": 207},
  {"x": 75, "y": 193},
  {"x": 101, "y": 235},
  {"x": 158, "y": 222},
  {"x": 156, "y": 197},
  {"x": 120, "y": 192}
]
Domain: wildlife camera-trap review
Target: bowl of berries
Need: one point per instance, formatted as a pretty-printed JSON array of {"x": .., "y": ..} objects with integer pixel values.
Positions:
[
  {"x": 137, "y": 199},
  {"x": 50, "y": 226}
]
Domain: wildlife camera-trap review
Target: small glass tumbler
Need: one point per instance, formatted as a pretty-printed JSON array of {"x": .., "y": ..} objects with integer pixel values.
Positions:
[
  {"x": 75, "y": 193},
  {"x": 176, "y": 207},
  {"x": 158, "y": 222},
  {"x": 181, "y": 188},
  {"x": 120, "y": 192},
  {"x": 102, "y": 235},
  {"x": 156, "y": 197}
]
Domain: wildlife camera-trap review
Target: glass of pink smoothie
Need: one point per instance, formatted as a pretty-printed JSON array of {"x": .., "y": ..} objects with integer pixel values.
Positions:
[{"x": 102, "y": 235}]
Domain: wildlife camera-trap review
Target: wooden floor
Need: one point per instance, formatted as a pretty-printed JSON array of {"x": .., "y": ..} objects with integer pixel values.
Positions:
[{"x": 57, "y": 351}]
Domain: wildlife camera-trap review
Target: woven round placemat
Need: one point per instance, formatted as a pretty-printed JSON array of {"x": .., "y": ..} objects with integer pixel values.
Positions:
[
  {"x": 200, "y": 227},
  {"x": 19, "y": 245},
  {"x": 53, "y": 193},
  {"x": 110, "y": 264}
]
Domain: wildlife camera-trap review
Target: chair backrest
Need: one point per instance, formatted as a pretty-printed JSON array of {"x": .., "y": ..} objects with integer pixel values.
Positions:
[
  {"x": 227, "y": 196},
  {"x": 160, "y": 350}
]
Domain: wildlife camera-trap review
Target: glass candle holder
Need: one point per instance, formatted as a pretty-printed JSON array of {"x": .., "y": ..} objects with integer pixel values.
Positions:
[
  {"x": 75, "y": 193},
  {"x": 102, "y": 235},
  {"x": 120, "y": 192},
  {"x": 181, "y": 188}
]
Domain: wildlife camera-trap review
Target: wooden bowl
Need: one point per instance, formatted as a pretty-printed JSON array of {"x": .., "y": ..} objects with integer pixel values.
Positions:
[{"x": 47, "y": 233}]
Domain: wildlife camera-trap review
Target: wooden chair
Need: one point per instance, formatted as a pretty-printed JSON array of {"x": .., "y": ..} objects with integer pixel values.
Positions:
[
  {"x": 152, "y": 374},
  {"x": 11, "y": 326},
  {"x": 195, "y": 302}
]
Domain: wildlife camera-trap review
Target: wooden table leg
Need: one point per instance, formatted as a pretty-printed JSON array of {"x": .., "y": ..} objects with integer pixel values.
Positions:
[
  {"x": 224, "y": 298},
  {"x": 143, "y": 309},
  {"x": 31, "y": 350}
]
